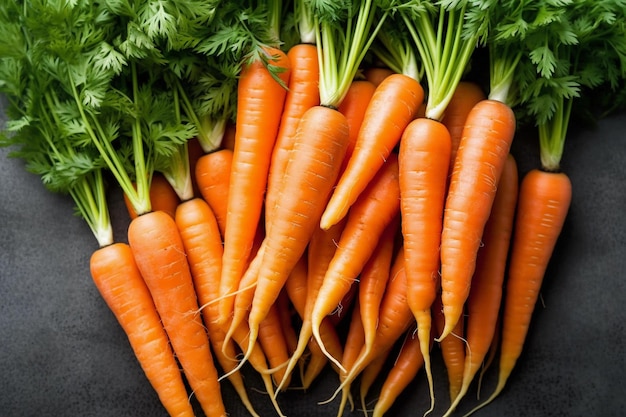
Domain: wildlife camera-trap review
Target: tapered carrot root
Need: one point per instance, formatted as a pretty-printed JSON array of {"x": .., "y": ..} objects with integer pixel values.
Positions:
[
  {"x": 203, "y": 245},
  {"x": 543, "y": 203},
  {"x": 483, "y": 150},
  {"x": 393, "y": 106},
  {"x": 354, "y": 106},
  {"x": 160, "y": 255},
  {"x": 259, "y": 109},
  {"x": 373, "y": 211},
  {"x": 424, "y": 157},
  {"x": 122, "y": 287},
  {"x": 452, "y": 350},
  {"x": 311, "y": 172},
  {"x": 483, "y": 304}
]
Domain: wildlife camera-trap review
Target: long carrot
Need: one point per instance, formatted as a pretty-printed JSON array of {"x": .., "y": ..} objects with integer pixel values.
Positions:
[
  {"x": 213, "y": 179},
  {"x": 370, "y": 375},
  {"x": 393, "y": 105},
  {"x": 121, "y": 285},
  {"x": 543, "y": 203},
  {"x": 375, "y": 208},
  {"x": 302, "y": 94},
  {"x": 319, "y": 147},
  {"x": 483, "y": 150},
  {"x": 160, "y": 255},
  {"x": 202, "y": 240},
  {"x": 353, "y": 106},
  {"x": 483, "y": 304},
  {"x": 424, "y": 157},
  {"x": 260, "y": 100}
]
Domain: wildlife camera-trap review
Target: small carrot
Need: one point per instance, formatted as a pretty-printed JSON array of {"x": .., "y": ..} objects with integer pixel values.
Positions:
[
  {"x": 424, "y": 156},
  {"x": 122, "y": 287},
  {"x": 287, "y": 315},
  {"x": 162, "y": 197},
  {"x": 319, "y": 147},
  {"x": 395, "y": 319},
  {"x": 260, "y": 100},
  {"x": 370, "y": 375},
  {"x": 405, "y": 368},
  {"x": 160, "y": 255},
  {"x": 303, "y": 93},
  {"x": 375, "y": 208},
  {"x": 466, "y": 95},
  {"x": 543, "y": 203},
  {"x": 203, "y": 245},
  {"x": 273, "y": 342},
  {"x": 213, "y": 179},
  {"x": 487, "y": 137},
  {"x": 483, "y": 304},
  {"x": 393, "y": 105}
]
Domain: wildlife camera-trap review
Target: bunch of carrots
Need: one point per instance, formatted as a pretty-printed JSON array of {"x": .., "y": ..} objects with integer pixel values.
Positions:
[{"x": 287, "y": 167}]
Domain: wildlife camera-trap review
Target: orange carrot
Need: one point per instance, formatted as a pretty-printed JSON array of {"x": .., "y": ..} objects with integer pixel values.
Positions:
[
  {"x": 370, "y": 375},
  {"x": 194, "y": 152},
  {"x": 213, "y": 178},
  {"x": 543, "y": 203},
  {"x": 373, "y": 280},
  {"x": 160, "y": 255},
  {"x": 483, "y": 304},
  {"x": 376, "y": 75},
  {"x": 487, "y": 137},
  {"x": 303, "y": 94},
  {"x": 393, "y": 105},
  {"x": 406, "y": 366},
  {"x": 466, "y": 95},
  {"x": 375, "y": 208},
  {"x": 203, "y": 245},
  {"x": 452, "y": 350},
  {"x": 122, "y": 287},
  {"x": 260, "y": 100},
  {"x": 162, "y": 197},
  {"x": 395, "y": 319},
  {"x": 287, "y": 315},
  {"x": 273, "y": 342},
  {"x": 312, "y": 170},
  {"x": 424, "y": 157},
  {"x": 353, "y": 106}
]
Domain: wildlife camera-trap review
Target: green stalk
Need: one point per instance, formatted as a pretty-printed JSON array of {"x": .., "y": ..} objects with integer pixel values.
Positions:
[{"x": 552, "y": 135}]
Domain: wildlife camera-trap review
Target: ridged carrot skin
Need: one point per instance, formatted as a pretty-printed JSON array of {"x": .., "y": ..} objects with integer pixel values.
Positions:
[
  {"x": 122, "y": 287},
  {"x": 160, "y": 255},
  {"x": 393, "y": 105},
  {"x": 212, "y": 175},
  {"x": 485, "y": 144},
  {"x": 260, "y": 101}
]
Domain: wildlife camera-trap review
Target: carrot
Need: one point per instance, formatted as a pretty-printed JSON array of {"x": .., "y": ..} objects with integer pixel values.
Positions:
[
  {"x": 375, "y": 208},
  {"x": 424, "y": 156},
  {"x": 373, "y": 280},
  {"x": 213, "y": 178},
  {"x": 452, "y": 350},
  {"x": 395, "y": 319},
  {"x": 487, "y": 137},
  {"x": 122, "y": 287},
  {"x": 203, "y": 245},
  {"x": 287, "y": 315},
  {"x": 354, "y": 106},
  {"x": 162, "y": 197},
  {"x": 407, "y": 365},
  {"x": 376, "y": 75},
  {"x": 483, "y": 304},
  {"x": 312, "y": 170},
  {"x": 160, "y": 255},
  {"x": 543, "y": 203},
  {"x": 303, "y": 93},
  {"x": 370, "y": 374},
  {"x": 392, "y": 107},
  {"x": 274, "y": 344},
  {"x": 195, "y": 152},
  {"x": 260, "y": 100},
  {"x": 466, "y": 95}
]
